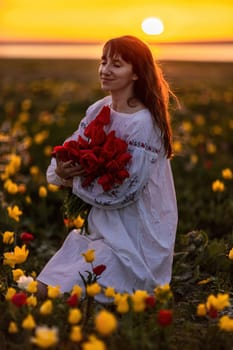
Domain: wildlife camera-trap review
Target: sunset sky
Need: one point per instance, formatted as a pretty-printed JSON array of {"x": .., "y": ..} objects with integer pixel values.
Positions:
[{"x": 91, "y": 21}]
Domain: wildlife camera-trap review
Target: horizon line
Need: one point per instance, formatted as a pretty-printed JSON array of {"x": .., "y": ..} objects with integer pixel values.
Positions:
[{"x": 85, "y": 43}]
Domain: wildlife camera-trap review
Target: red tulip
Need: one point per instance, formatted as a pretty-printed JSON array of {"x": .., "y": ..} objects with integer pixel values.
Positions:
[
  {"x": 19, "y": 299},
  {"x": 26, "y": 237},
  {"x": 213, "y": 313},
  {"x": 150, "y": 301},
  {"x": 165, "y": 317},
  {"x": 72, "y": 300},
  {"x": 99, "y": 269}
]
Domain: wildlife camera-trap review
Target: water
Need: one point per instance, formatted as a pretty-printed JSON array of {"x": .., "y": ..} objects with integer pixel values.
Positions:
[{"x": 177, "y": 52}]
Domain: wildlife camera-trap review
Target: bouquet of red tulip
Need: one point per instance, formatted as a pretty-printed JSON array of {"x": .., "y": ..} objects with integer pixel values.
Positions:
[{"x": 103, "y": 156}]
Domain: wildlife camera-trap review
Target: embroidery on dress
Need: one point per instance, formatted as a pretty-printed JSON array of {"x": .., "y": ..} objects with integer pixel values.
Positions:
[
  {"x": 83, "y": 125},
  {"x": 103, "y": 203},
  {"x": 116, "y": 194},
  {"x": 129, "y": 197},
  {"x": 133, "y": 181},
  {"x": 144, "y": 145}
]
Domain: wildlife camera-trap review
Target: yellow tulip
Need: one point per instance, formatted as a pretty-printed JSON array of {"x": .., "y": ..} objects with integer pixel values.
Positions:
[
  {"x": 211, "y": 148},
  {"x": 17, "y": 273},
  {"x": 14, "y": 212},
  {"x": 14, "y": 164},
  {"x": 32, "y": 287},
  {"x": 93, "y": 344},
  {"x": 8, "y": 237},
  {"x": 89, "y": 255},
  {"x": 205, "y": 281},
  {"x": 93, "y": 289},
  {"x": 53, "y": 188},
  {"x": 201, "y": 310},
  {"x": 121, "y": 301},
  {"x": 177, "y": 146},
  {"x": 78, "y": 222},
  {"x": 227, "y": 174},
  {"x": 28, "y": 200},
  {"x": 46, "y": 308},
  {"x": 10, "y": 186},
  {"x": 105, "y": 322},
  {"x": 33, "y": 274},
  {"x": 110, "y": 292},
  {"x": 17, "y": 257},
  {"x": 42, "y": 192},
  {"x": 218, "y": 302},
  {"x": 27, "y": 141},
  {"x": 10, "y": 292},
  {"x": 47, "y": 151},
  {"x": 138, "y": 299},
  {"x": 41, "y": 136},
  {"x": 226, "y": 323},
  {"x": 230, "y": 255},
  {"x": 76, "y": 334},
  {"x": 32, "y": 301},
  {"x": 34, "y": 170},
  {"x": 77, "y": 290},
  {"x": 13, "y": 328},
  {"x": 54, "y": 291},
  {"x": 29, "y": 322},
  {"x": 163, "y": 292},
  {"x": 186, "y": 126},
  {"x": 74, "y": 316},
  {"x": 218, "y": 186}
]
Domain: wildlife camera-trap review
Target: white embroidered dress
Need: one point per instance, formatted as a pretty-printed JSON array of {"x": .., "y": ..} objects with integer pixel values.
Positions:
[{"x": 133, "y": 227}]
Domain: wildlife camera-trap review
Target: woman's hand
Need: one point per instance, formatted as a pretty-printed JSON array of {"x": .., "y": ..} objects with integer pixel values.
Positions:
[
  {"x": 67, "y": 170},
  {"x": 67, "y": 183}
]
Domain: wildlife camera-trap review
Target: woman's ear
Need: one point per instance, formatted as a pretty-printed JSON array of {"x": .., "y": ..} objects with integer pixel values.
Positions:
[{"x": 135, "y": 77}]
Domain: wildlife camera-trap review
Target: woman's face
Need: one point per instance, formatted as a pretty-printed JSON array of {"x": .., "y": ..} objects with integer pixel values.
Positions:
[{"x": 116, "y": 74}]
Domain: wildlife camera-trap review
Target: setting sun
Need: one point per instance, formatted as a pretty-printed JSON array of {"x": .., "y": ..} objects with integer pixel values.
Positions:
[
  {"x": 152, "y": 26},
  {"x": 97, "y": 21}
]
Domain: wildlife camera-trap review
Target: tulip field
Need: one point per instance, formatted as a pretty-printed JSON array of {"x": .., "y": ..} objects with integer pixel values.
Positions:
[{"x": 42, "y": 103}]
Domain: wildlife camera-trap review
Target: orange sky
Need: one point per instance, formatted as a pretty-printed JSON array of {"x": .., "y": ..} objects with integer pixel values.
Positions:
[{"x": 99, "y": 20}]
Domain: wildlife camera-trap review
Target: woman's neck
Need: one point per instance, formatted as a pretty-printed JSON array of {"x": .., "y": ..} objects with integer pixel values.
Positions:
[{"x": 121, "y": 105}]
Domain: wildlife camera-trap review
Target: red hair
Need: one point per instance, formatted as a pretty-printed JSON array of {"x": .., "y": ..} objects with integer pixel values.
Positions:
[{"x": 150, "y": 88}]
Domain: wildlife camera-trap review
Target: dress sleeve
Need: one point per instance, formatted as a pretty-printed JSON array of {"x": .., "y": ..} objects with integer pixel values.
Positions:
[
  {"x": 51, "y": 176},
  {"x": 144, "y": 146}
]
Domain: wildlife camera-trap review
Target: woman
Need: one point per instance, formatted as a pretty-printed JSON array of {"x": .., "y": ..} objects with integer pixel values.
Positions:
[{"x": 132, "y": 226}]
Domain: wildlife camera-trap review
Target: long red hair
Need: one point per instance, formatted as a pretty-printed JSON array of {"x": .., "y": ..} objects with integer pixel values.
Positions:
[{"x": 150, "y": 88}]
